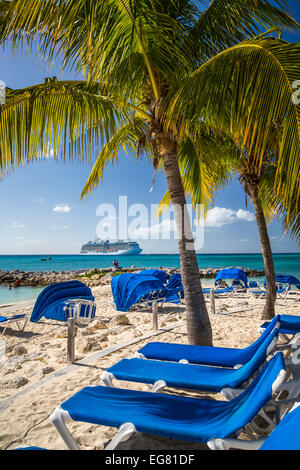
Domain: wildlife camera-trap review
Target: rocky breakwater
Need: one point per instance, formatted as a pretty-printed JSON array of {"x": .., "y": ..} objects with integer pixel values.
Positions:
[
  {"x": 210, "y": 273},
  {"x": 92, "y": 277}
]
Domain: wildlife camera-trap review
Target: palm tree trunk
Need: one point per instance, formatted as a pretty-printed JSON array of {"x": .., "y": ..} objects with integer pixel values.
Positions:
[
  {"x": 269, "y": 308},
  {"x": 198, "y": 324}
]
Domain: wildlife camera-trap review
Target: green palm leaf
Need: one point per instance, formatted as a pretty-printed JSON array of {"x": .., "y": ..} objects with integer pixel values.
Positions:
[
  {"x": 70, "y": 117},
  {"x": 244, "y": 90},
  {"x": 126, "y": 138}
]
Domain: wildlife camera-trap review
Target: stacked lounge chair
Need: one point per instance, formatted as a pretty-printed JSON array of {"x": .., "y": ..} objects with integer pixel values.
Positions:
[
  {"x": 177, "y": 417},
  {"x": 257, "y": 386}
]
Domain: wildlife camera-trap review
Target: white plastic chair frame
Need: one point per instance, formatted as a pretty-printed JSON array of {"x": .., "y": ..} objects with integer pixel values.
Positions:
[{"x": 74, "y": 308}]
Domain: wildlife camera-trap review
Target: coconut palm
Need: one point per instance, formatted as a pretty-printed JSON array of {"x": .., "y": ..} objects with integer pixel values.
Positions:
[
  {"x": 138, "y": 59},
  {"x": 258, "y": 184}
]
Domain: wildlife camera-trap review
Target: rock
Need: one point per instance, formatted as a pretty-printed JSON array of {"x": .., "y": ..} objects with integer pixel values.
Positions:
[
  {"x": 98, "y": 325},
  {"x": 63, "y": 332},
  {"x": 93, "y": 328},
  {"x": 19, "y": 351},
  {"x": 120, "y": 319},
  {"x": 17, "y": 382},
  {"x": 88, "y": 344},
  {"x": 47, "y": 370}
]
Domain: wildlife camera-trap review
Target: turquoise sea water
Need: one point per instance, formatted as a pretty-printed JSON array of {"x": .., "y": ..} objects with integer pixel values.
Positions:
[{"x": 284, "y": 264}]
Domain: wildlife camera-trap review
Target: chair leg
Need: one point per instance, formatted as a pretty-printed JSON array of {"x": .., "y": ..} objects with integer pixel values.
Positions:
[
  {"x": 226, "y": 444},
  {"x": 158, "y": 386},
  {"x": 107, "y": 378},
  {"x": 124, "y": 433},
  {"x": 139, "y": 355},
  {"x": 58, "y": 418}
]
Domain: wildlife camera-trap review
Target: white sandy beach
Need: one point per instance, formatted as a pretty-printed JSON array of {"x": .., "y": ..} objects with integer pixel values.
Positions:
[{"x": 35, "y": 378}]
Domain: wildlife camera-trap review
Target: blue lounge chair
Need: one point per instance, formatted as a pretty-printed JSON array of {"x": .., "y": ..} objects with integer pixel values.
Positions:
[
  {"x": 6, "y": 321},
  {"x": 206, "y": 355},
  {"x": 177, "y": 417},
  {"x": 283, "y": 286},
  {"x": 286, "y": 436},
  {"x": 289, "y": 325},
  {"x": 237, "y": 276},
  {"x": 189, "y": 376},
  {"x": 227, "y": 290}
]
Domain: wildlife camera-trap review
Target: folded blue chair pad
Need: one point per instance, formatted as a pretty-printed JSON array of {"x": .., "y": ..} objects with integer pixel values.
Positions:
[
  {"x": 129, "y": 288},
  {"x": 286, "y": 435},
  {"x": 171, "y": 416},
  {"x": 14, "y": 317},
  {"x": 158, "y": 273},
  {"x": 51, "y": 301},
  {"x": 191, "y": 376},
  {"x": 44, "y": 297},
  {"x": 206, "y": 355}
]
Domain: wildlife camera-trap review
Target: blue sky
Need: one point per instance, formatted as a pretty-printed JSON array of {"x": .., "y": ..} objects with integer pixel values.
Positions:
[{"x": 41, "y": 210}]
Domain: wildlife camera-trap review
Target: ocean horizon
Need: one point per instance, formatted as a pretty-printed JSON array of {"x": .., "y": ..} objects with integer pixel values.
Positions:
[{"x": 285, "y": 263}]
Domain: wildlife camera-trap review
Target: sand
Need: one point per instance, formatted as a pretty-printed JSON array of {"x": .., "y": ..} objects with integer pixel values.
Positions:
[{"x": 35, "y": 377}]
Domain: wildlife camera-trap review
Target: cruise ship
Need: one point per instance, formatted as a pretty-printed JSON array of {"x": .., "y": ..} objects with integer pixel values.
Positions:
[{"x": 105, "y": 247}]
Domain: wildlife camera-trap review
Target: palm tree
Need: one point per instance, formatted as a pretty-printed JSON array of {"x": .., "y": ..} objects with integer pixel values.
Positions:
[
  {"x": 204, "y": 168},
  {"x": 138, "y": 59}
]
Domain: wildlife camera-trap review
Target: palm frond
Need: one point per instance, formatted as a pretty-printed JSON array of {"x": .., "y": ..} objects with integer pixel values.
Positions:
[
  {"x": 205, "y": 164},
  {"x": 125, "y": 138},
  {"x": 245, "y": 89},
  {"x": 225, "y": 23},
  {"x": 71, "y": 117}
]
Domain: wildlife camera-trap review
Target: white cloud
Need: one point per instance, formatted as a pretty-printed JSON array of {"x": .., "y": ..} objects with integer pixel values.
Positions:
[
  {"x": 244, "y": 240},
  {"x": 62, "y": 208},
  {"x": 17, "y": 225},
  {"x": 219, "y": 216},
  {"x": 245, "y": 215}
]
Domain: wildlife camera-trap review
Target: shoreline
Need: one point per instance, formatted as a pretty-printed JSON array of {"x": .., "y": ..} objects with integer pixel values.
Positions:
[{"x": 95, "y": 276}]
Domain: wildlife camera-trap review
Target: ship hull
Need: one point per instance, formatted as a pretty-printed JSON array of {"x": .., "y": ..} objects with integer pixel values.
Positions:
[{"x": 130, "y": 251}]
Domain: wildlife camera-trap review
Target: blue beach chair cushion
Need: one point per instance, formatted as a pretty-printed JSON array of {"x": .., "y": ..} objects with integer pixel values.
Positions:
[
  {"x": 286, "y": 436},
  {"x": 171, "y": 416},
  {"x": 206, "y": 355},
  {"x": 191, "y": 376}
]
